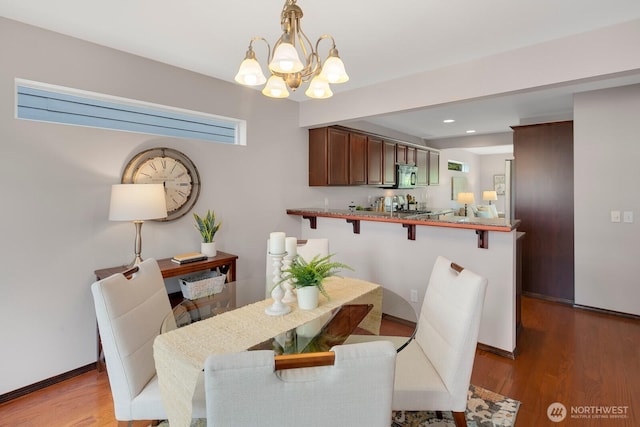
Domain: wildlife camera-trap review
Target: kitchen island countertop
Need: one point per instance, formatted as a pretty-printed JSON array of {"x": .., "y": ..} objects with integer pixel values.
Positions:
[{"x": 435, "y": 218}]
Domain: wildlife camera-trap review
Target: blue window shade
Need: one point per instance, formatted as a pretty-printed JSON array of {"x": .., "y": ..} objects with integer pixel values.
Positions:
[{"x": 59, "y": 107}]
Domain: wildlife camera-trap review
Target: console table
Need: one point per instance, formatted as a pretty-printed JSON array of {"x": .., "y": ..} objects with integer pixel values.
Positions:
[
  {"x": 225, "y": 262},
  {"x": 170, "y": 269}
]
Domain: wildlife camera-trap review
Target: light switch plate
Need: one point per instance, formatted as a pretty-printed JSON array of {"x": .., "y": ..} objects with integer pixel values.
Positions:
[
  {"x": 627, "y": 216},
  {"x": 615, "y": 216}
]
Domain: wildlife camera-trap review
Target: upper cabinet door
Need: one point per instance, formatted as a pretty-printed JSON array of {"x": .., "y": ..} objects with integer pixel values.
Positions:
[
  {"x": 411, "y": 156},
  {"x": 357, "y": 159},
  {"x": 401, "y": 153},
  {"x": 434, "y": 168},
  {"x": 389, "y": 163},
  {"x": 328, "y": 157},
  {"x": 338, "y": 157},
  {"x": 374, "y": 161},
  {"x": 422, "y": 162}
]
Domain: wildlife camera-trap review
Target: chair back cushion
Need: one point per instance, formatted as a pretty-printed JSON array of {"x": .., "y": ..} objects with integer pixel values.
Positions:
[
  {"x": 314, "y": 247},
  {"x": 129, "y": 314},
  {"x": 242, "y": 389},
  {"x": 449, "y": 323}
]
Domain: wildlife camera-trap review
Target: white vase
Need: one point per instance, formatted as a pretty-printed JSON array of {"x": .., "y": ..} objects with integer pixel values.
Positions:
[
  {"x": 208, "y": 249},
  {"x": 307, "y": 297}
]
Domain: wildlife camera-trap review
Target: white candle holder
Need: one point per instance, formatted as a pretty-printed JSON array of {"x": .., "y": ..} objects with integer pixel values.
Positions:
[
  {"x": 289, "y": 296},
  {"x": 277, "y": 308}
]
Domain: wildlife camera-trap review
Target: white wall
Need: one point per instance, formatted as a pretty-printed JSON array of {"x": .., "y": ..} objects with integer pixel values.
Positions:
[
  {"x": 486, "y": 165},
  {"x": 54, "y": 225},
  {"x": 491, "y": 165},
  {"x": 440, "y": 195},
  {"x": 603, "y": 52},
  {"x": 382, "y": 254},
  {"x": 606, "y": 178},
  {"x": 53, "y": 222}
]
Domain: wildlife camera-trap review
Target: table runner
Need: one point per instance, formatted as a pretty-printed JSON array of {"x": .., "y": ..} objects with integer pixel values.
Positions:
[{"x": 180, "y": 354}]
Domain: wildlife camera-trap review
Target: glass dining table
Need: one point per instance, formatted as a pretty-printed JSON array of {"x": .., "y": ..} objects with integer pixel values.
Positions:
[
  {"x": 339, "y": 326},
  {"x": 302, "y": 338}
]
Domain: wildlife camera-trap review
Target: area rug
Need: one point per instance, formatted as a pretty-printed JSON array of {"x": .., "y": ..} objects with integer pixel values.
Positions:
[{"x": 484, "y": 409}]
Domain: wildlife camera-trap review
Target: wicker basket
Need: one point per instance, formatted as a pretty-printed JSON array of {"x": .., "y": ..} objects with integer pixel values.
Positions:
[{"x": 202, "y": 285}]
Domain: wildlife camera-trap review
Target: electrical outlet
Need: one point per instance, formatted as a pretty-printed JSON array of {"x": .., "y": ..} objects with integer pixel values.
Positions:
[
  {"x": 627, "y": 216},
  {"x": 615, "y": 216},
  {"x": 414, "y": 295}
]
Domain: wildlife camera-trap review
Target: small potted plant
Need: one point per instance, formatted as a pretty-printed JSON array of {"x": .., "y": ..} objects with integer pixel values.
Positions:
[
  {"x": 208, "y": 228},
  {"x": 307, "y": 278}
]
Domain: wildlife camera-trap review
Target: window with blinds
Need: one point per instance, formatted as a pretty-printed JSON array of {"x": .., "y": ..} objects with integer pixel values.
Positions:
[{"x": 44, "y": 102}]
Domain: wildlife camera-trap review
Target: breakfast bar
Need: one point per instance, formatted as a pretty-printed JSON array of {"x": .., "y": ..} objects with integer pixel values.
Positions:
[
  {"x": 410, "y": 220},
  {"x": 380, "y": 251}
]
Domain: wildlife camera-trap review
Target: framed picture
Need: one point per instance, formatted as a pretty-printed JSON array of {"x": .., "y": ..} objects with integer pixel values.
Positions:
[{"x": 499, "y": 184}]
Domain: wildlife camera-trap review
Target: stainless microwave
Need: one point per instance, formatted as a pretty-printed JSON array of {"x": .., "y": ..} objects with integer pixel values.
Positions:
[{"x": 406, "y": 176}]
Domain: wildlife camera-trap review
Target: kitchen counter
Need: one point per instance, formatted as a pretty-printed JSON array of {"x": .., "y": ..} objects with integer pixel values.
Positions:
[
  {"x": 379, "y": 251},
  {"x": 434, "y": 218}
]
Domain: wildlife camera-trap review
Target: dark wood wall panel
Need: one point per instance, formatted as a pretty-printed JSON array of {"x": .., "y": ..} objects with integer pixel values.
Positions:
[{"x": 544, "y": 202}]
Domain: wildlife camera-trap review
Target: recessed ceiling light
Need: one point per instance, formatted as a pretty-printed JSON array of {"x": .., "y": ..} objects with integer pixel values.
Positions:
[
  {"x": 448, "y": 121},
  {"x": 471, "y": 131}
]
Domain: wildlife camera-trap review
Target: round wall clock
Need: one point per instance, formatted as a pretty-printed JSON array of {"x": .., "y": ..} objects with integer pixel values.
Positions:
[{"x": 171, "y": 168}]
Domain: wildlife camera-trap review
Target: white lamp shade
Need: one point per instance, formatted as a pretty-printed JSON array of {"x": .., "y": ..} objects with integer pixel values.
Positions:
[
  {"x": 333, "y": 70},
  {"x": 285, "y": 59},
  {"x": 275, "y": 88},
  {"x": 319, "y": 88},
  {"x": 489, "y": 195},
  {"x": 465, "y": 198},
  {"x": 250, "y": 73},
  {"x": 137, "y": 202}
]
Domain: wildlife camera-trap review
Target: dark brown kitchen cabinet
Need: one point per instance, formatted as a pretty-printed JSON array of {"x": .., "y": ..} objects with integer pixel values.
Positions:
[
  {"x": 358, "y": 152},
  {"x": 411, "y": 155},
  {"x": 434, "y": 168},
  {"x": 343, "y": 156},
  {"x": 328, "y": 157},
  {"x": 422, "y": 162},
  {"x": 401, "y": 153},
  {"x": 544, "y": 203},
  {"x": 389, "y": 163},
  {"x": 374, "y": 161}
]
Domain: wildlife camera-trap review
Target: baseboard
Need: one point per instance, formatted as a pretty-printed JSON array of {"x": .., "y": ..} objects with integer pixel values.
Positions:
[
  {"x": 500, "y": 352},
  {"x": 548, "y": 298},
  {"x": 605, "y": 311},
  {"x": 46, "y": 383},
  {"x": 399, "y": 320},
  {"x": 582, "y": 307}
]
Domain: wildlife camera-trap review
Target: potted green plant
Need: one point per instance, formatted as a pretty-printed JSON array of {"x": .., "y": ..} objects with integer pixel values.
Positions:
[
  {"x": 308, "y": 277},
  {"x": 208, "y": 228}
]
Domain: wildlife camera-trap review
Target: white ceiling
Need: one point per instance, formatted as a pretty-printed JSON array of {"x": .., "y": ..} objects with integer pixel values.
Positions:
[{"x": 379, "y": 40}]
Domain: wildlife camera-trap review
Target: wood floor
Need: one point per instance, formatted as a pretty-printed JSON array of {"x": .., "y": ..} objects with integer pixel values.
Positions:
[{"x": 576, "y": 357}]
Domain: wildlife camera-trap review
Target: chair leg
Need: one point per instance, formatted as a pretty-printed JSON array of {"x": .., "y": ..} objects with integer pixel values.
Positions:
[{"x": 460, "y": 419}]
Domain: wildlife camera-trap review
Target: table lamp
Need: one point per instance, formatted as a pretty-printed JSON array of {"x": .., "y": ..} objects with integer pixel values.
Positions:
[
  {"x": 489, "y": 195},
  {"x": 466, "y": 198},
  {"x": 137, "y": 203}
]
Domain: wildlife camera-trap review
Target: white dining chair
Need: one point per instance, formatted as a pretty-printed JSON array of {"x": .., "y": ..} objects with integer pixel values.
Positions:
[
  {"x": 130, "y": 313},
  {"x": 433, "y": 372},
  {"x": 246, "y": 390}
]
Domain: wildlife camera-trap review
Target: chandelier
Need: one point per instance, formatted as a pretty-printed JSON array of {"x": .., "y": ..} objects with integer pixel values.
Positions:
[{"x": 286, "y": 69}]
